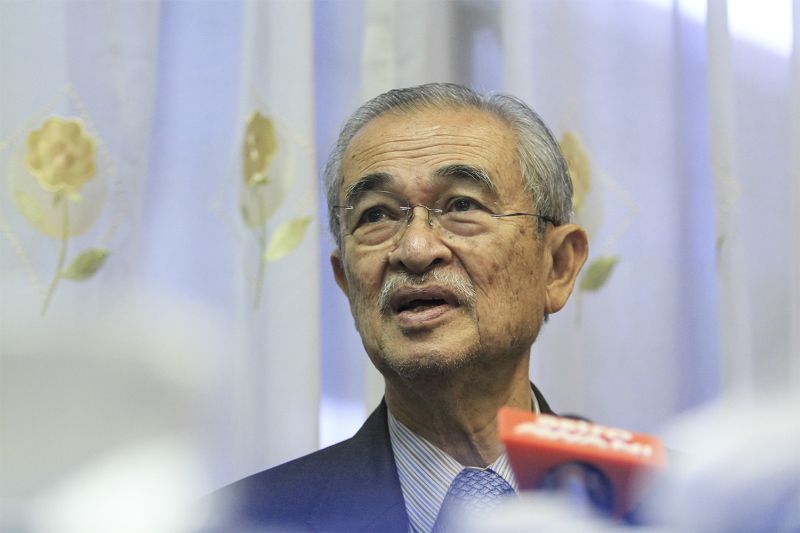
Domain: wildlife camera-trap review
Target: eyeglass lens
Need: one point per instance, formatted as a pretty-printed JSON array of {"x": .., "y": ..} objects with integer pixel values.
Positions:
[{"x": 379, "y": 216}]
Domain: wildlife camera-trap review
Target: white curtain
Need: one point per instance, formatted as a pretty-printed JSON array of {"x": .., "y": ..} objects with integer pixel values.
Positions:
[{"x": 691, "y": 126}]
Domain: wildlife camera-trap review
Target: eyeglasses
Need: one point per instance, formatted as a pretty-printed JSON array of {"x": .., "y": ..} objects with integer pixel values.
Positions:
[{"x": 380, "y": 216}]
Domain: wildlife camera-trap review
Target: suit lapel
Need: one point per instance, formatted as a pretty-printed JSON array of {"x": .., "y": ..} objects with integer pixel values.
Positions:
[
  {"x": 543, "y": 407},
  {"x": 365, "y": 493}
]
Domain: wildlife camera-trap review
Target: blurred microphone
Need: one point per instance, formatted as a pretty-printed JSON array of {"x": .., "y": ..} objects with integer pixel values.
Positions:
[{"x": 607, "y": 467}]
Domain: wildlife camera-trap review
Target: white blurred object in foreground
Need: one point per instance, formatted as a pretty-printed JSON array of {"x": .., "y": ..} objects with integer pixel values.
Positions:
[
  {"x": 738, "y": 470},
  {"x": 146, "y": 488},
  {"x": 102, "y": 413}
]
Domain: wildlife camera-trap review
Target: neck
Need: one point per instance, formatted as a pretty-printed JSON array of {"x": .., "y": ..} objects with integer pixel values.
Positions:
[{"x": 458, "y": 413}]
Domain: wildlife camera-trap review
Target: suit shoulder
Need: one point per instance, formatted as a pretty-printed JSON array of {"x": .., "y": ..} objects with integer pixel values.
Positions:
[
  {"x": 285, "y": 494},
  {"x": 301, "y": 471},
  {"x": 334, "y": 489}
]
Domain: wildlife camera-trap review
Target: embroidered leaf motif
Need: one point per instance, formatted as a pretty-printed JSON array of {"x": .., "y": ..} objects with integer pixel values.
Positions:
[
  {"x": 86, "y": 264},
  {"x": 286, "y": 238},
  {"x": 597, "y": 273}
]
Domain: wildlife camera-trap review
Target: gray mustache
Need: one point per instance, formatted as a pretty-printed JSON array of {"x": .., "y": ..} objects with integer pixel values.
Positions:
[{"x": 461, "y": 288}]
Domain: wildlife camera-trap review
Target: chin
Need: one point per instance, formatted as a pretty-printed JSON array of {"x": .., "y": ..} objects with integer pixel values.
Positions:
[{"x": 430, "y": 365}]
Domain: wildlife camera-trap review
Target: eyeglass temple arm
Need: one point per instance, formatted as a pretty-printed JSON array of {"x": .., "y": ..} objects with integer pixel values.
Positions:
[{"x": 543, "y": 217}]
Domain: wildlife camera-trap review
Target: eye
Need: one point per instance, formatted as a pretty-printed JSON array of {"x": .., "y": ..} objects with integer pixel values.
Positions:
[
  {"x": 372, "y": 215},
  {"x": 377, "y": 214},
  {"x": 463, "y": 204}
]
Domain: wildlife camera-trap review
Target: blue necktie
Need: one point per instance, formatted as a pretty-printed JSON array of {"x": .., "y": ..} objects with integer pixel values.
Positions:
[{"x": 478, "y": 490}]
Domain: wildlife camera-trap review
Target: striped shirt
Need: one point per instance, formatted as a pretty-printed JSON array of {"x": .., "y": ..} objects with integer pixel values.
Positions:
[{"x": 426, "y": 472}]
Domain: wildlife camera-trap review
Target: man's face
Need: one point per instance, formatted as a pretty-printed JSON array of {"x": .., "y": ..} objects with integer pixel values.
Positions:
[{"x": 449, "y": 298}]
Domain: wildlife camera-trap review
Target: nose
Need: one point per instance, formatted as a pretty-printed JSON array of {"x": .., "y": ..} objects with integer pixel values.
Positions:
[
  {"x": 420, "y": 247},
  {"x": 429, "y": 213}
]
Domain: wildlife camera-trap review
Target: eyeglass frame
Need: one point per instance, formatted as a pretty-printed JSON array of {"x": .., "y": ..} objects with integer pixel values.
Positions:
[{"x": 409, "y": 209}]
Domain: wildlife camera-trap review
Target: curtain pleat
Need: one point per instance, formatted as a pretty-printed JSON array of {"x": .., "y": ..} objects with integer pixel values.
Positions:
[{"x": 277, "y": 380}]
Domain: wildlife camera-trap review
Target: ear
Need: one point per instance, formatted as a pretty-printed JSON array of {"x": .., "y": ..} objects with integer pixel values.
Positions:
[
  {"x": 567, "y": 247},
  {"x": 338, "y": 271}
]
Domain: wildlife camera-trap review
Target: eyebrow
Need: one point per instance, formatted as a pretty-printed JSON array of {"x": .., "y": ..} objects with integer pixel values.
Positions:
[
  {"x": 378, "y": 181},
  {"x": 371, "y": 182},
  {"x": 461, "y": 171}
]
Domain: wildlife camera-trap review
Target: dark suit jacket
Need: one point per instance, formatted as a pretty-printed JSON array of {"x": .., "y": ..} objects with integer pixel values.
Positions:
[{"x": 350, "y": 486}]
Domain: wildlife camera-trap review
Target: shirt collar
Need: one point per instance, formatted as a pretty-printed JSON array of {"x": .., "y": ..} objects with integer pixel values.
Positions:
[{"x": 426, "y": 472}]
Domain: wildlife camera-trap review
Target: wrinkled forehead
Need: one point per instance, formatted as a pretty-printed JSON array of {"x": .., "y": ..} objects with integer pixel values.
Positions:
[{"x": 415, "y": 146}]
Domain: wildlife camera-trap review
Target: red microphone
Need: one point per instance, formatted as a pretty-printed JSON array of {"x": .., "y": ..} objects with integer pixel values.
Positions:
[{"x": 611, "y": 466}]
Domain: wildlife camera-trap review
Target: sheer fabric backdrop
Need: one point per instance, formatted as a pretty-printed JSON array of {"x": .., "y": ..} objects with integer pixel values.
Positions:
[{"x": 692, "y": 131}]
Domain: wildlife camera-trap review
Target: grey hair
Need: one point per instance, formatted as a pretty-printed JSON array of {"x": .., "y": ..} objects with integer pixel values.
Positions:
[{"x": 544, "y": 169}]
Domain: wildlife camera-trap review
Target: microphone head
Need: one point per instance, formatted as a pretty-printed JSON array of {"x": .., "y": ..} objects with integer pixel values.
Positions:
[{"x": 607, "y": 466}]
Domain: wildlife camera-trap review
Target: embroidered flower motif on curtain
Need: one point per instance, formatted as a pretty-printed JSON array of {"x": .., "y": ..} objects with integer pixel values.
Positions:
[
  {"x": 267, "y": 176},
  {"x": 58, "y": 175},
  {"x": 60, "y": 155}
]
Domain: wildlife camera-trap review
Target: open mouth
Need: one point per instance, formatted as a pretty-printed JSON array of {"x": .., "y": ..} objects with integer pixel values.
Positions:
[
  {"x": 421, "y": 304},
  {"x": 418, "y": 305}
]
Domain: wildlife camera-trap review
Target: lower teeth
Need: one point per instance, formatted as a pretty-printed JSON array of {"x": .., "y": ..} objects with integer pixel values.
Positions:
[{"x": 424, "y": 307}]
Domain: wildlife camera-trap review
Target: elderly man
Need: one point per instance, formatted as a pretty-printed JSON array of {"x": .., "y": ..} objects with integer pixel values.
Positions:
[{"x": 451, "y": 215}]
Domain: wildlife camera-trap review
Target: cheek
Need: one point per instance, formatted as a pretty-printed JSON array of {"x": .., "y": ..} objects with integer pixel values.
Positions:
[
  {"x": 524, "y": 270},
  {"x": 364, "y": 283},
  {"x": 500, "y": 269},
  {"x": 482, "y": 264},
  {"x": 509, "y": 283}
]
